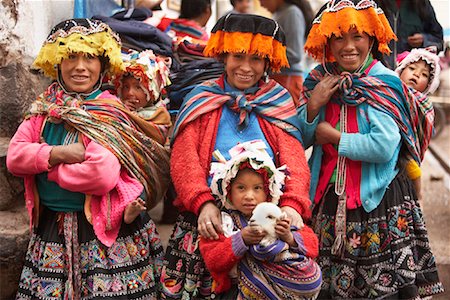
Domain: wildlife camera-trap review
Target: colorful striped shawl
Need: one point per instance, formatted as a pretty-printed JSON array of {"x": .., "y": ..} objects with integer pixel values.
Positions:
[
  {"x": 270, "y": 101},
  {"x": 108, "y": 123},
  {"x": 385, "y": 93},
  {"x": 276, "y": 272}
]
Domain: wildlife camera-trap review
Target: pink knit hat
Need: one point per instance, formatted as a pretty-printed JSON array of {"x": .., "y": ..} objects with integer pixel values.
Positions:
[{"x": 429, "y": 56}]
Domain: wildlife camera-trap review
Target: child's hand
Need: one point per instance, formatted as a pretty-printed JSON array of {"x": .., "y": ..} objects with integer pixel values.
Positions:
[
  {"x": 131, "y": 104},
  {"x": 252, "y": 235},
  {"x": 283, "y": 230}
]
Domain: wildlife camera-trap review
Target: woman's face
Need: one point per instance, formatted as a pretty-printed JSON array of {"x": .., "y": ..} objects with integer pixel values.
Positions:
[
  {"x": 80, "y": 72},
  {"x": 350, "y": 50},
  {"x": 243, "y": 70},
  {"x": 416, "y": 75}
]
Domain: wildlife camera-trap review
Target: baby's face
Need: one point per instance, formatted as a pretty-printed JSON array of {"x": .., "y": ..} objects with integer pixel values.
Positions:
[
  {"x": 132, "y": 93},
  {"x": 244, "y": 6},
  {"x": 416, "y": 75}
]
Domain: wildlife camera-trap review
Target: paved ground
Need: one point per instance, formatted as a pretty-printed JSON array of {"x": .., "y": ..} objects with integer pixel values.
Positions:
[{"x": 436, "y": 208}]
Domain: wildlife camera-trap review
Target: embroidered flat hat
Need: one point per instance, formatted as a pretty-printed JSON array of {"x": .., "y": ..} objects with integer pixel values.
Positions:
[
  {"x": 339, "y": 16},
  {"x": 79, "y": 36},
  {"x": 430, "y": 57},
  {"x": 151, "y": 71},
  {"x": 253, "y": 155},
  {"x": 249, "y": 34}
]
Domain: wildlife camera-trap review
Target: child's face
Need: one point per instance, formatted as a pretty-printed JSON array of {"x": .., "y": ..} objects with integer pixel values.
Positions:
[
  {"x": 350, "y": 50},
  {"x": 80, "y": 72},
  {"x": 271, "y": 5},
  {"x": 243, "y": 6},
  {"x": 132, "y": 93},
  {"x": 416, "y": 75},
  {"x": 247, "y": 191}
]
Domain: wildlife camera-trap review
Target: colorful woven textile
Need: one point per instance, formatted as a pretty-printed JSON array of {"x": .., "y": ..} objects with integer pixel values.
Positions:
[
  {"x": 385, "y": 93},
  {"x": 276, "y": 272},
  {"x": 269, "y": 100},
  {"x": 108, "y": 123}
]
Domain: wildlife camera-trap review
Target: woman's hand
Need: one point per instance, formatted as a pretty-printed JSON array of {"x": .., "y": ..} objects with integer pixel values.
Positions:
[
  {"x": 327, "y": 134},
  {"x": 283, "y": 230},
  {"x": 321, "y": 94},
  {"x": 294, "y": 217},
  {"x": 68, "y": 154},
  {"x": 209, "y": 222},
  {"x": 415, "y": 40},
  {"x": 252, "y": 236}
]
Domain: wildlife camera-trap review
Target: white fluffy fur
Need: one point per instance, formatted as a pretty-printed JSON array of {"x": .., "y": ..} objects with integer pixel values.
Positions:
[{"x": 264, "y": 218}]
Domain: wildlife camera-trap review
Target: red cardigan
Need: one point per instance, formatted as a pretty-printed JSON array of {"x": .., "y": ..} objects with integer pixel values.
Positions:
[{"x": 191, "y": 160}]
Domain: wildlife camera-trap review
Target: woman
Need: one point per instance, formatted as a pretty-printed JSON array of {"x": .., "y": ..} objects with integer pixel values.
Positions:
[
  {"x": 238, "y": 107},
  {"x": 82, "y": 158},
  {"x": 372, "y": 239}
]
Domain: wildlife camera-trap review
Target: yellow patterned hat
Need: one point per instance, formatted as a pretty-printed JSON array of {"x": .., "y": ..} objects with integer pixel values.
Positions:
[{"x": 79, "y": 36}]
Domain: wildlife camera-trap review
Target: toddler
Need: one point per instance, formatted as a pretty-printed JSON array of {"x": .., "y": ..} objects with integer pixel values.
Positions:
[
  {"x": 419, "y": 70},
  {"x": 236, "y": 261}
]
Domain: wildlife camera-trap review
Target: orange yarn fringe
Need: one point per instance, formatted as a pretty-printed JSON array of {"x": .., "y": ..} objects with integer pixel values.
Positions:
[
  {"x": 249, "y": 43},
  {"x": 367, "y": 21}
]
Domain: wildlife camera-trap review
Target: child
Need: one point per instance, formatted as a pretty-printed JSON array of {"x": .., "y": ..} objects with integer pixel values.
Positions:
[
  {"x": 239, "y": 265},
  {"x": 82, "y": 159},
  {"x": 140, "y": 87},
  {"x": 373, "y": 241},
  {"x": 419, "y": 70}
]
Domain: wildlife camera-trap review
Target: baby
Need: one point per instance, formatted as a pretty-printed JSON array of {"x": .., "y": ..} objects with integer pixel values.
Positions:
[
  {"x": 419, "y": 70},
  {"x": 140, "y": 89}
]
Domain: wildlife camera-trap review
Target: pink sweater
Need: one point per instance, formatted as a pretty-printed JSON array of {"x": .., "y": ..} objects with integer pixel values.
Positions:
[{"x": 99, "y": 176}]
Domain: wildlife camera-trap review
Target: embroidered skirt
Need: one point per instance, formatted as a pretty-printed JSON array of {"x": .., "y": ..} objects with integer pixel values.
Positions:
[
  {"x": 386, "y": 253},
  {"x": 65, "y": 260},
  {"x": 184, "y": 275}
]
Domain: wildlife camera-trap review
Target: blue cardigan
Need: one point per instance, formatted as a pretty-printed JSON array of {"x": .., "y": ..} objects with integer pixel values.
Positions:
[{"x": 377, "y": 146}]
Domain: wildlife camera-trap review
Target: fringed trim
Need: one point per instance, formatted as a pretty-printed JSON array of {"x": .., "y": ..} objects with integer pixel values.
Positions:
[
  {"x": 246, "y": 42},
  {"x": 98, "y": 44},
  {"x": 335, "y": 23}
]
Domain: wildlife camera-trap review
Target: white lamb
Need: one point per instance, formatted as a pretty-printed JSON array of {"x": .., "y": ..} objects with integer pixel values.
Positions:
[{"x": 264, "y": 218}]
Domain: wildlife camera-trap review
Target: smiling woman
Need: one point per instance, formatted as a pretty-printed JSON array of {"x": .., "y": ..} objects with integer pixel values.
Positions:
[{"x": 240, "y": 106}]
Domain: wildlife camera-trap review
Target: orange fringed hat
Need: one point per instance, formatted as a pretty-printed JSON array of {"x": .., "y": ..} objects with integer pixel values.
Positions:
[
  {"x": 340, "y": 16},
  {"x": 250, "y": 34}
]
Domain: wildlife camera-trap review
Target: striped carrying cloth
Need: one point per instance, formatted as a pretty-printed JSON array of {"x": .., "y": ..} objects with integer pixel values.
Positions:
[
  {"x": 385, "y": 93},
  {"x": 137, "y": 144},
  {"x": 269, "y": 100},
  {"x": 275, "y": 272}
]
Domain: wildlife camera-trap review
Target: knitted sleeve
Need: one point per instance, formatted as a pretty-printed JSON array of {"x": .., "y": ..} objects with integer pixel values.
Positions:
[
  {"x": 187, "y": 171},
  {"x": 310, "y": 242},
  {"x": 219, "y": 258}
]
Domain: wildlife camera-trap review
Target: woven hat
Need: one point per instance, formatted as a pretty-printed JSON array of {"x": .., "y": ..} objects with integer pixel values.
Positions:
[
  {"x": 339, "y": 16},
  {"x": 429, "y": 56},
  {"x": 251, "y": 155},
  {"x": 249, "y": 34},
  {"x": 151, "y": 71},
  {"x": 79, "y": 36}
]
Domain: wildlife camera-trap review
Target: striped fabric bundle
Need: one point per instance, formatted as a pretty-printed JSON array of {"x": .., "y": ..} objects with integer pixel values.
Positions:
[
  {"x": 108, "y": 123},
  {"x": 270, "y": 101},
  {"x": 276, "y": 272},
  {"x": 385, "y": 93}
]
